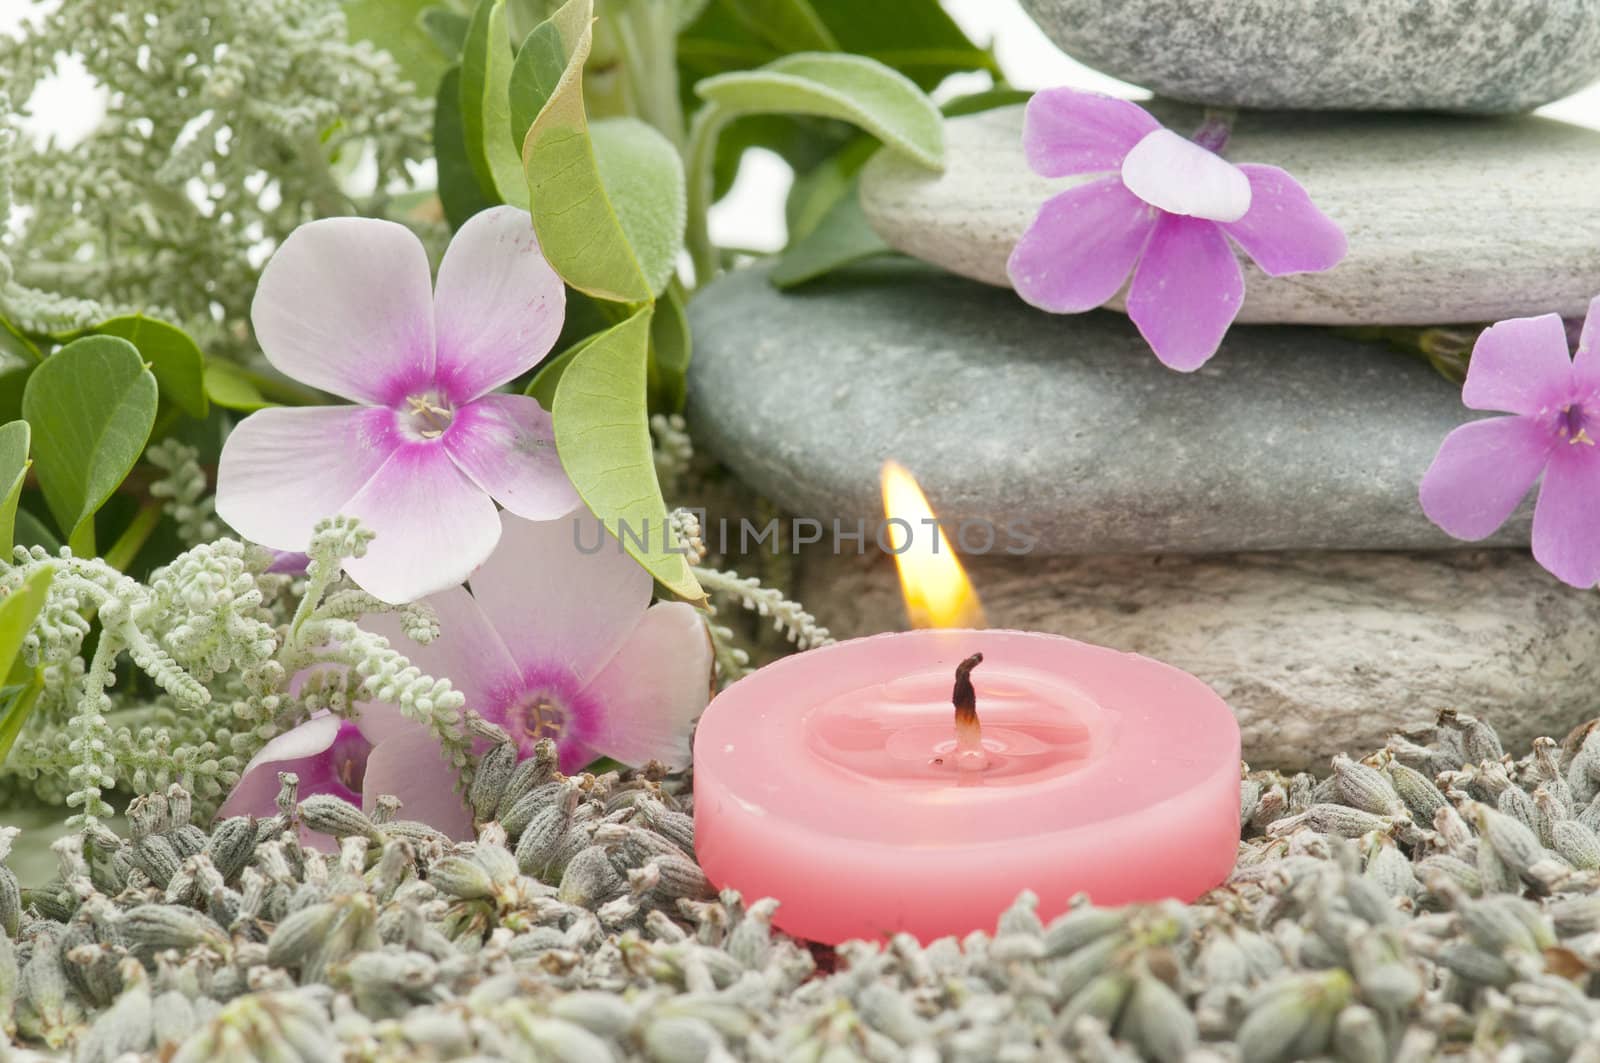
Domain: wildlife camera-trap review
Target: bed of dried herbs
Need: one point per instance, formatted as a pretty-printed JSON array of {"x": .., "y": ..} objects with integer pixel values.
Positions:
[{"x": 1438, "y": 897}]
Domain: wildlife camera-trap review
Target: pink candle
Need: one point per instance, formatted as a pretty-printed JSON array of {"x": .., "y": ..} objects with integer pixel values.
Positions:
[{"x": 838, "y": 782}]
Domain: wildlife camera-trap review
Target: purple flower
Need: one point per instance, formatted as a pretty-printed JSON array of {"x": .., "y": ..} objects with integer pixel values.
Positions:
[
  {"x": 347, "y": 305},
  {"x": 341, "y": 757},
  {"x": 1164, "y": 212},
  {"x": 1484, "y": 468},
  {"x": 557, "y": 639}
]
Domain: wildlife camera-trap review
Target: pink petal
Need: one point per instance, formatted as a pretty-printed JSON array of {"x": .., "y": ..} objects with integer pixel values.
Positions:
[
  {"x": 1283, "y": 231},
  {"x": 1080, "y": 249},
  {"x": 256, "y": 793},
  {"x": 1186, "y": 291},
  {"x": 556, "y": 605},
  {"x": 413, "y": 768},
  {"x": 468, "y": 652},
  {"x": 1520, "y": 366},
  {"x": 1586, "y": 363},
  {"x": 1566, "y": 520},
  {"x": 507, "y": 445},
  {"x": 1066, "y": 132},
  {"x": 653, "y": 690},
  {"x": 1179, "y": 176},
  {"x": 1483, "y": 469},
  {"x": 346, "y": 305},
  {"x": 498, "y": 306},
  {"x": 284, "y": 469},
  {"x": 433, "y": 525}
]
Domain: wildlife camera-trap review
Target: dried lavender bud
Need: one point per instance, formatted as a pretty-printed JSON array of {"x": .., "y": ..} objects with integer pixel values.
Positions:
[
  {"x": 534, "y": 772},
  {"x": 298, "y": 936},
  {"x": 1421, "y": 797},
  {"x": 47, "y": 1010},
  {"x": 589, "y": 879},
  {"x": 1577, "y": 844},
  {"x": 1358, "y": 1036},
  {"x": 168, "y": 926},
  {"x": 157, "y": 857},
  {"x": 172, "y": 1019},
  {"x": 563, "y": 1042},
  {"x": 541, "y": 840},
  {"x": 1477, "y": 965},
  {"x": 1364, "y": 787},
  {"x": 682, "y": 1039},
  {"x": 461, "y": 876},
  {"x": 602, "y": 1013},
  {"x": 489, "y": 784},
  {"x": 10, "y": 902},
  {"x": 678, "y": 877},
  {"x": 1516, "y": 844},
  {"x": 9, "y": 973},
  {"x": 516, "y": 819},
  {"x": 1078, "y": 927},
  {"x": 1342, "y": 820},
  {"x": 674, "y": 826},
  {"x": 1158, "y": 1022},
  {"x": 123, "y": 1028},
  {"x": 336, "y": 817}
]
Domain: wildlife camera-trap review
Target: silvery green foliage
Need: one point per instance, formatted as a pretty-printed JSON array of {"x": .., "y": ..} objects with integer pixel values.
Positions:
[
  {"x": 227, "y": 125},
  {"x": 1410, "y": 906},
  {"x": 219, "y": 640}
]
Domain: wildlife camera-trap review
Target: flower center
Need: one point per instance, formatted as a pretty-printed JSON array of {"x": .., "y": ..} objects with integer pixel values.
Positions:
[
  {"x": 1572, "y": 424},
  {"x": 535, "y": 716},
  {"x": 348, "y": 758},
  {"x": 428, "y": 415}
]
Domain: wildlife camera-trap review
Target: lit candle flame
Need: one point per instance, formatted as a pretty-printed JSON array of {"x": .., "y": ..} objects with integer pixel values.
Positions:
[{"x": 935, "y": 586}]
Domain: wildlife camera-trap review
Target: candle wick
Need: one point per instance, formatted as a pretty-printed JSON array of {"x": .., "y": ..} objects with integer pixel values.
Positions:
[{"x": 970, "y": 753}]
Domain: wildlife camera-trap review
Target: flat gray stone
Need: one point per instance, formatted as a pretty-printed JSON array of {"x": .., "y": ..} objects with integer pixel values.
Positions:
[
  {"x": 1449, "y": 219},
  {"x": 1290, "y": 438},
  {"x": 1315, "y": 653},
  {"x": 1476, "y": 56}
]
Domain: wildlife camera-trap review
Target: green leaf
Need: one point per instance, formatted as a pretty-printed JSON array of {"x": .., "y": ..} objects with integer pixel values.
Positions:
[
  {"x": 535, "y": 76},
  {"x": 642, "y": 175},
  {"x": 848, "y": 87},
  {"x": 786, "y": 25},
  {"x": 842, "y": 237},
  {"x": 397, "y": 27},
  {"x": 13, "y": 474},
  {"x": 447, "y": 30},
  {"x": 987, "y": 100},
  {"x": 231, "y": 388},
  {"x": 604, "y": 443},
  {"x": 486, "y": 105},
  {"x": 815, "y": 191},
  {"x": 18, "y": 610},
  {"x": 174, "y": 358},
  {"x": 91, "y": 406},
  {"x": 579, "y": 229},
  {"x": 459, "y": 192},
  {"x": 670, "y": 348},
  {"x": 31, "y": 531}
]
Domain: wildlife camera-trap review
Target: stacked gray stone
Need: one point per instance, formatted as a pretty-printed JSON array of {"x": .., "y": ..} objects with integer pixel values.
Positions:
[{"x": 1256, "y": 522}]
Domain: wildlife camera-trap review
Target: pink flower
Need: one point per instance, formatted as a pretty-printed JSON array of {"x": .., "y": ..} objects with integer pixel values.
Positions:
[
  {"x": 557, "y": 639},
  {"x": 347, "y": 305},
  {"x": 1164, "y": 212},
  {"x": 340, "y": 757},
  {"x": 1484, "y": 468}
]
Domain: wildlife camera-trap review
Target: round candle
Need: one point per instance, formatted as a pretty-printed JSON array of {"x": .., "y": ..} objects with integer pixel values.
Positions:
[{"x": 834, "y": 781}]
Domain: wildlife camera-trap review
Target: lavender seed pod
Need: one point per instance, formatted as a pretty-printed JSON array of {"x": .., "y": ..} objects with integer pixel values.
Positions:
[
  {"x": 1157, "y": 1021},
  {"x": 1364, "y": 787},
  {"x": 10, "y": 903},
  {"x": 516, "y": 819},
  {"x": 231, "y": 846},
  {"x": 157, "y": 857},
  {"x": 1576, "y": 843},
  {"x": 589, "y": 880},
  {"x": 337, "y": 818},
  {"x": 532, "y": 773},
  {"x": 1421, "y": 797},
  {"x": 169, "y": 926},
  {"x": 489, "y": 784},
  {"x": 1358, "y": 1036},
  {"x": 299, "y": 935}
]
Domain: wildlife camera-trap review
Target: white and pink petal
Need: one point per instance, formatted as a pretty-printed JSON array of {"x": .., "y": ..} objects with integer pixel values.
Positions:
[
  {"x": 1520, "y": 366},
  {"x": 433, "y": 526},
  {"x": 650, "y": 695},
  {"x": 284, "y": 469},
  {"x": 498, "y": 306},
  {"x": 562, "y": 593},
  {"x": 1566, "y": 519},
  {"x": 346, "y": 305},
  {"x": 1179, "y": 176},
  {"x": 507, "y": 445},
  {"x": 413, "y": 768}
]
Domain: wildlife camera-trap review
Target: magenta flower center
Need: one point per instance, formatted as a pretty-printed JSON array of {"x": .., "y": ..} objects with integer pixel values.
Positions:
[
  {"x": 347, "y": 760},
  {"x": 427, "y": 415},
  {"x": 1572, "y": 424}
]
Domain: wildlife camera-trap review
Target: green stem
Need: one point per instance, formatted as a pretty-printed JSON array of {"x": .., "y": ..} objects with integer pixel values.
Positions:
[
  {"x": 133, "y": 537},
  {"x": 699, "y": 160}
]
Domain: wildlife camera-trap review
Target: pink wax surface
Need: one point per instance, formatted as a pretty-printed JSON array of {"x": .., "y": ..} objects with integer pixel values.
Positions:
[{"x": 827, "y": 780}]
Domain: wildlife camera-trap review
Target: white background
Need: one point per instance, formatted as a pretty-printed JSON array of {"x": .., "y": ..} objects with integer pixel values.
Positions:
[{"x": 751, "y": 216}]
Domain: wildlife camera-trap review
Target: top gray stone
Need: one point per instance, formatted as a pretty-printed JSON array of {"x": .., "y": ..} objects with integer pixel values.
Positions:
[
  {"x": 1472, "y": 56},
  {"x": 1290, "y": 438}
]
